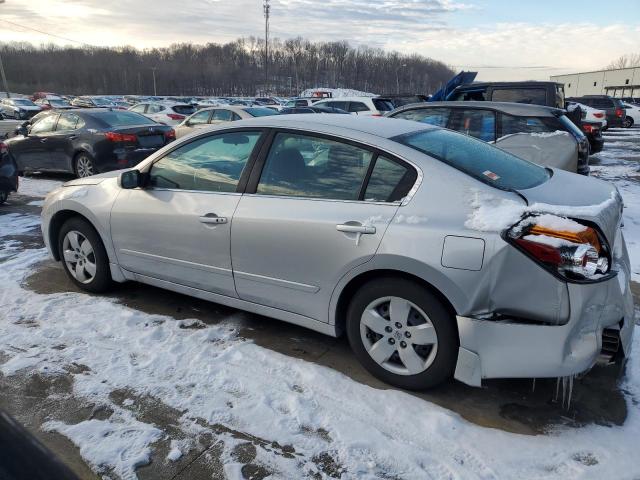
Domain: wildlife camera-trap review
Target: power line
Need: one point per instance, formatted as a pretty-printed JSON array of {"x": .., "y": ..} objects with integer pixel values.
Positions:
[{"x": 46, "y": 33}]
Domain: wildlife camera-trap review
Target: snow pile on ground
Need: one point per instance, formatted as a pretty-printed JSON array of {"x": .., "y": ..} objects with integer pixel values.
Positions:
[
  {"x": 213, "y": 376},
  {"x": 37, "y": 187},
  {"x": 337, "y": 92}
]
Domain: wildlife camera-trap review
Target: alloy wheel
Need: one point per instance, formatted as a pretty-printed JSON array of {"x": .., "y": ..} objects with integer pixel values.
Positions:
[
  {"x": 84, "y": 166},
  {"x": 79, "y": 256},
  {"x": 398, "y": 336}
]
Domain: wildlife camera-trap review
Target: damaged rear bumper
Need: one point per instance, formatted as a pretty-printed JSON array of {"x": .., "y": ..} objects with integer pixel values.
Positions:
[{"x": 511, "y": 349}]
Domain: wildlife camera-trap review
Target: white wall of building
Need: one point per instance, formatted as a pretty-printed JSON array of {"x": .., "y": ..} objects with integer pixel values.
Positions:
[{"x": 623, "y": 82}]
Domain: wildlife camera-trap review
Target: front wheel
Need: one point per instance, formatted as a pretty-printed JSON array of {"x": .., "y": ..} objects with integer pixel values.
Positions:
[
  {"x": 402, "y": 333},
  {"x": 628, "y": 122},
  {"x": 84, "y": 165},
  {"x": 84, "y": 258}
]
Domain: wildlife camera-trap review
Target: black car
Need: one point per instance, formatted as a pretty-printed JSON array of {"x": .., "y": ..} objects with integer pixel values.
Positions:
[
  {"x": 402, "y": 99},
  {"x": 294, "y": 110},
  {"x": 87, "y": 141},
  {"x": 8, "y": 174},
  {"x": 613, "y": 107},
  {"x": 550, "y": 94}
]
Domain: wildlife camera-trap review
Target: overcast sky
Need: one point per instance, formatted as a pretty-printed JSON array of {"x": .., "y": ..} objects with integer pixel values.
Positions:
[{"x": 502, "y": 39}]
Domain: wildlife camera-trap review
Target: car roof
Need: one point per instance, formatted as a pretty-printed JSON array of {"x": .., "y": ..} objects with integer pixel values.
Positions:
[
  {"x": 508, "y": 84},
  {"x": 517, "y": 109},
  {"x": 377, "y": 126}
]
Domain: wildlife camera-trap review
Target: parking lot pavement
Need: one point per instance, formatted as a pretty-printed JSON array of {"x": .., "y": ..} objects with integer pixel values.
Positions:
[{"x": 54, "y": 380}]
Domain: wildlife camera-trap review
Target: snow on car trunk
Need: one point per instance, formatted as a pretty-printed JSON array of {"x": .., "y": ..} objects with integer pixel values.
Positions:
[{"x": 215, "y": 377}]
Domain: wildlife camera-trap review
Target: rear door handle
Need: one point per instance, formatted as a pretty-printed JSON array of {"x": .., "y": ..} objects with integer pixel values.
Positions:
[
  {"x": 362, "y": 229},
  {"x": 212, "y": 218},
  {"x": 43, "y": 140}
]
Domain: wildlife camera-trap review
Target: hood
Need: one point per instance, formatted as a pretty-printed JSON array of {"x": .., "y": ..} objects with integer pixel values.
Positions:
[
  {"x": 27, "y": 107},
  {"x": 463, "y": 78},
  {"x": 93, "y": 179},
  {"x": 580, "y": 197}
]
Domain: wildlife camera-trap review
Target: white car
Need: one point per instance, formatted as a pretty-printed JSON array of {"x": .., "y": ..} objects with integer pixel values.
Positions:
[
  {"x": 590, "y": 114},
  {"x": 301, "y": 102},
  {"x": 166, "y": 113},
  {"x": 633, "y": 115},
  {"x": 367, "y": 106}
]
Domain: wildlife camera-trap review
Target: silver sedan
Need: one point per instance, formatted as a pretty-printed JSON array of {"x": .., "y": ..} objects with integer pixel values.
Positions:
[{"x": 437, "y": 254}]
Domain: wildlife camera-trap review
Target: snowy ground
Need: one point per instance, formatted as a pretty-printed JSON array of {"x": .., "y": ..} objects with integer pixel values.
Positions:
[{"x": 297, "y": 419}]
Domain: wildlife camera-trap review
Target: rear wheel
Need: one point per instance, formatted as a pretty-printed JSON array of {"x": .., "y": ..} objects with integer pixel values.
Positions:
[
  {"x": 3, "y": 196},
  {"x": 628, "y": 122},
  {"x": 402, "y": 333},
  {"x": 84, "y": 165},
  {"x": 83, "y": 256}
]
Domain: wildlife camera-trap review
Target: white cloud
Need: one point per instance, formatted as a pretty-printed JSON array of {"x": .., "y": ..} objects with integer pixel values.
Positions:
[{"x": 410, "y": 26}]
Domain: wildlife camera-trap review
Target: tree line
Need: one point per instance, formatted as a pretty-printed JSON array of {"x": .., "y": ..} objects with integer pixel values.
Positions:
[{"x": 234, "y": 68}]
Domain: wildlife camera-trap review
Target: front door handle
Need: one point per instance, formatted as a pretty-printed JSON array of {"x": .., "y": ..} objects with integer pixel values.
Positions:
[
  {"x": 43, "y": 140},
  {"x": 212, "y": 218},
  {"x": 353, "y": 228}
]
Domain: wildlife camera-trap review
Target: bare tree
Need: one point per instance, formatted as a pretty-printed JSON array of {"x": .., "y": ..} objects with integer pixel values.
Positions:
[
  {"x": 234, "y": 68},
  {"x": 625, "y": 61}
]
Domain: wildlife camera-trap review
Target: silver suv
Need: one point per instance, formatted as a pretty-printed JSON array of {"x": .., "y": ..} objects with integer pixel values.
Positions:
[{"x": 439, "y": 255}]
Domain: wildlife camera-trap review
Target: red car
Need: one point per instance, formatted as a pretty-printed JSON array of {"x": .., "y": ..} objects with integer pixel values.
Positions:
[{"x": 49, "y": 103}]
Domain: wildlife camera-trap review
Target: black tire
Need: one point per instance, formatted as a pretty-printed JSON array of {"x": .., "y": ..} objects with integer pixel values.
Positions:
[
  {"x": 444, "y": 323},
  {"x": 78, "y": 169},
  {"x": 628, "y": 122},
  {"x": 101, "y": 281},
  {"x": 4, "y": 194}
]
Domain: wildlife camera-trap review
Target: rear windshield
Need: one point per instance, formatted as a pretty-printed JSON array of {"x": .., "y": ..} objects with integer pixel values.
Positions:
[
  {"x": 101, "y": 101},
  {"x": 260, "y": 112},
  {"x": 477, "y": 159},
  {"x": 19, "y": 101},
  {"x": 122, "y": 118},
  {"x": 184, "y": 109},
  {"x": 383, "y": 105}
]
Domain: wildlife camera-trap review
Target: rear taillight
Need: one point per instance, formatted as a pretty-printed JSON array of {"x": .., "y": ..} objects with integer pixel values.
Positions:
[
  {"x": 3, "y": 148},
  {"x": 598, "y": 115},
  {"x": 121, "y": 137},
  {"x": 590, "y": 129},
  {"x": 570, "y": 249},
  {"x": 170, "y": 135},
  {"x": 619, "y": 113},
  {"x": 175, "y": 116}
]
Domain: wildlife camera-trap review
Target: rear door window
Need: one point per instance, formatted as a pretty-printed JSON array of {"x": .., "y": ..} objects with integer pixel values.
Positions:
[
  {"x": 222, "y": 115},
  {"x": 431, "y": 116},
  {"x": 314, "y": 167},
  {"x": 383, "y": 105},
  {"x": 479, "y": 160},
  {"x": 512, "y": 124},
  {"x": 533, "y": 96},
  {"x": 340, "y": 105},
  {"x": 200, "y": 118},
  {"x": 355, "y": 107},
  {"x": 480, "y": 124},
  {"x": 138, "y": 108},
  {"x": 67, "y": 121}
]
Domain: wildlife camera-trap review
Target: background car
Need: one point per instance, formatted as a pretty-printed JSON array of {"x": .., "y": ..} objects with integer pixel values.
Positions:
[
  {"x": 591, "y": 121},
  {"x": 302, "y": 102},
  {"x": 87, "y": 141},
  {"x": 18, "y": 108},
  {"x": 8, "y": 173},
  {"x": 402, "y": 99},
  {"x": 167, "y": 113},
  {"x": 216, "y": 115},
  {"x": 313, "y": 109},
  {"x": 632, "y": 115},
  {"x": 91, "y": 102},
  {"x": 57, "y": 103},
  {"x": 611, "y": 106},
  {"x": 366, "y": 106},
  {"x": 542, "y": 135}
]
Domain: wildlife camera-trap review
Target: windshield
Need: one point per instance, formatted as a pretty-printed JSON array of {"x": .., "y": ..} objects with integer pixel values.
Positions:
[
  {"x": 59, "y": 103},
  {"x": 383, "y": 105},
  {"x": 20, "y": 101},
  {"x": 260, "y": 112},
  {"x": 477, "y": 159},
  {"x": 122, "y": 118},
  {"x": 101, "y": 101}
]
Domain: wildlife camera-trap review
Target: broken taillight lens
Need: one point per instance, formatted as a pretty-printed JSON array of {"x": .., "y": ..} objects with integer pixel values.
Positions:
[{"x": 566, "y": 247}]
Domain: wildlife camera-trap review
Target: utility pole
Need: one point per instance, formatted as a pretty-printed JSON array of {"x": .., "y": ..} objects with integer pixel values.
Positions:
[
  {"x": 4, "y": 77},
  {"x": 267, "y": 11},
  {"x": 398, "y": 78},
  {"x": 153, "y": 70}
]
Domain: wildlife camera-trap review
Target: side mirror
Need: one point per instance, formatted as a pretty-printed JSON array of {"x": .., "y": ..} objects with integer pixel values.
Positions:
[
  {"x": 22, "y": 130},
  {"x": 130, "y": 179}
]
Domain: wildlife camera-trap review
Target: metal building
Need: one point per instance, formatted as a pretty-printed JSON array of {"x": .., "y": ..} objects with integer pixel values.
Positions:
[{"x": 621, "y": 82}]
